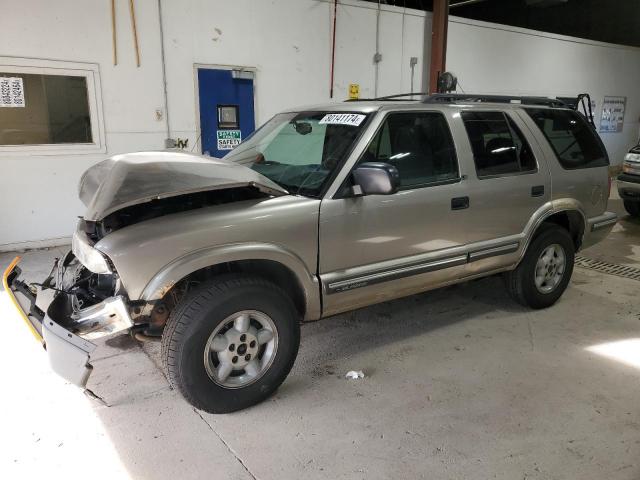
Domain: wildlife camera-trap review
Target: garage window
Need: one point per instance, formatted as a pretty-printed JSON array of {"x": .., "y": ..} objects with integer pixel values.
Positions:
[
  {"x": 574, "y": 142},
  {"x": 43, "y": 109},
  {"x": 499, "y": 148},
  {"x": 49, "y": 110}
]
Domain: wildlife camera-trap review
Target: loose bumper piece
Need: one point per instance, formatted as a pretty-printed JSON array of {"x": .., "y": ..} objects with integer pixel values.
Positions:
[{"x": 65, "y": 333}]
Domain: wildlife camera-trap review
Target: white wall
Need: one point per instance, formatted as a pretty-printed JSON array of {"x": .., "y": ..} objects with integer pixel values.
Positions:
[
  {"x": 489, "y": 58},
  {"x": 288, "y": 42},
  {"x": 38, "y": 198}
]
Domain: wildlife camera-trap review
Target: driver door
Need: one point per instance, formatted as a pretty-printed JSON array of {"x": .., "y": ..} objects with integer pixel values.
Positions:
[{"x": 378, "y": 247}]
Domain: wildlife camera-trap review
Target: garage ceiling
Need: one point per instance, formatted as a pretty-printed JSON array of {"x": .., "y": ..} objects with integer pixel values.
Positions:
[{"x": 614, "y": 21}]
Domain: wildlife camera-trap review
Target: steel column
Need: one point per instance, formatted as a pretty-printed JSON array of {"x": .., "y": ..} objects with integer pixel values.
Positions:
[{"x": 439, "y": 29}]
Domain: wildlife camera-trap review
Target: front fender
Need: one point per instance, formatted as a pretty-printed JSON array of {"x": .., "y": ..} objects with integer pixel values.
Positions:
[{"x": 179, "y": 268}]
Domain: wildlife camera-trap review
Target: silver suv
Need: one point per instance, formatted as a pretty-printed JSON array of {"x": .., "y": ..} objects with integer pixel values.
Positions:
[
  {"x": 323, "y": 210},
  {"x": 629, "y": 182}
]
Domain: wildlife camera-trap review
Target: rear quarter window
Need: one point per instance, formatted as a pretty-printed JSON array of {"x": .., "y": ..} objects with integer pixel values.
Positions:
[{"x": 574, "y": 142}]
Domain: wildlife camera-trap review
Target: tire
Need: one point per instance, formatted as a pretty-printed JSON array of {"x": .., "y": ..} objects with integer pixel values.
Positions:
[
  {"x": 189, "y": 333},
  {"x": 632, "y": 208},
  {"x": 521, "y": 282}
]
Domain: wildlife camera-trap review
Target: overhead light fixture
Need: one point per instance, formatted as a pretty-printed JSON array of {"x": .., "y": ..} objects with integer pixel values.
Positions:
[
  {"x": 544, "y": 3},
  {"x": 465, "y": 2}
]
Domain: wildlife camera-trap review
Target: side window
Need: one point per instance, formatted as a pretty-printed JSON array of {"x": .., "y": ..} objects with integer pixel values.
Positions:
[
  {"x": 574, "y": 142},
  {"x": 419, "y": 145},
  {"x": 499, "y": 147}
]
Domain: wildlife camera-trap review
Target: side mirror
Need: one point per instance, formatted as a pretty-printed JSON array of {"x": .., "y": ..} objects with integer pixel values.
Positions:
[{"x": 376, "y": 178}]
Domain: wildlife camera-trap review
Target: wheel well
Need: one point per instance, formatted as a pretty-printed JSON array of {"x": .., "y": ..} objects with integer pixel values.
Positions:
[
  {"x": 267, "y": 269},
  {"x": 571, "y": 221}
]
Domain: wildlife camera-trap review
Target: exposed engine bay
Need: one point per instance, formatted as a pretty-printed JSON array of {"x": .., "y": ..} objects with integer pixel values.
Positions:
[
  {"x": 168, "y": 206},
  {"x": 80, "y": 287},
  {"x": 78, "y": 290}
]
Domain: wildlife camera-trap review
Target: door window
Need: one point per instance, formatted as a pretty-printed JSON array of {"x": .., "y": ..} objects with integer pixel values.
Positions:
[
  {"x": 419, "y": 145},
  {"x": 574, "y": 142},
  {"x": 228, "y": 117},
  {"x": 499, "y": 148}
]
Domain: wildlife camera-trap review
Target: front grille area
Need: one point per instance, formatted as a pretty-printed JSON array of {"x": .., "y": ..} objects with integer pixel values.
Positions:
[{"x": 608, "y": 268}]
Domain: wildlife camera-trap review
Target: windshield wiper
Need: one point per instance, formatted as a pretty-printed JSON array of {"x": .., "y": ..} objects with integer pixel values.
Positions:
[
  {"x": 288, "y": 188},
  {"x": 296, "y": 189}
]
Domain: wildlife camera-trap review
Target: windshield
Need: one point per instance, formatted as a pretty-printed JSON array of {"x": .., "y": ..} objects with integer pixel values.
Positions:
[{"x": 300, "y": 151}]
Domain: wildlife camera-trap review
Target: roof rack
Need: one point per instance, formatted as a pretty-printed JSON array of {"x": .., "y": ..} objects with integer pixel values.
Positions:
[
  {"x": 463, "y": 97},
  {"x": 390, "y": 97}
]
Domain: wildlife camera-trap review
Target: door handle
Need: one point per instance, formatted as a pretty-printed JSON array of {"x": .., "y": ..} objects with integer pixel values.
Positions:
[
  {"x": 537, "y": 191},
  {"x": 459, "y": 203}
]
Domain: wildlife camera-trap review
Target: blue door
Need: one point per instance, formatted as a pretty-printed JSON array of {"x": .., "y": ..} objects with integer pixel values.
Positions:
[{"x": 226, "y": 109}]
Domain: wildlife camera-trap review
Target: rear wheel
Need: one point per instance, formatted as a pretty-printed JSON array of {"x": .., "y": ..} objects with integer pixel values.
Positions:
[
  {"x": 544, "y": 273},
  {"x": 632, "y": 208},
  {"x": 231, "y": 343}
]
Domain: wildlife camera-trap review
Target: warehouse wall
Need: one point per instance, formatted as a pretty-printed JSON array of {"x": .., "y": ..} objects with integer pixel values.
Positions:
[
  {"x": 38, "y": 198},
  {"x": 288, "y": 43},
  {"x": 489, "y": 58}
]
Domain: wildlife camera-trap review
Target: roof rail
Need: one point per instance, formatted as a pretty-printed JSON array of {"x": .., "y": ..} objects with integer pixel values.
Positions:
[
  {"x": 463, "y": 97},
  {"x": 390, "y": 97}
]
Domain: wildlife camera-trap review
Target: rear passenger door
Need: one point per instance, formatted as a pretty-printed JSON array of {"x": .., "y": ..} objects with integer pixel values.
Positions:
[{"x": 510, "y": 183}]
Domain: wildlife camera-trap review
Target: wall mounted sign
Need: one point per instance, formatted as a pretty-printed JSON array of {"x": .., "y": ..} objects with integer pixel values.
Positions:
[
  {"x": 228, "y": 139},
  {"x": 354, "y": 91},
  {"x": 11, "y": 92},
  {"x": 612, "y": 118}
]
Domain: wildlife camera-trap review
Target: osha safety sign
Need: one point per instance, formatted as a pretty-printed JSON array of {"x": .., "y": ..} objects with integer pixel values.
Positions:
[{"x": 228, "y": 139}]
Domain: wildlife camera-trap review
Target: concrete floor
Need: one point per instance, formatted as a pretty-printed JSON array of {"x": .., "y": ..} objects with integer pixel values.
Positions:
[{"x": 460, "y": 383}]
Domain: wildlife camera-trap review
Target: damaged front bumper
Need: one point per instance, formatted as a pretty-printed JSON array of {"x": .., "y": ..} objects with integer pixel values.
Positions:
[{"x": 55, "y": 320}]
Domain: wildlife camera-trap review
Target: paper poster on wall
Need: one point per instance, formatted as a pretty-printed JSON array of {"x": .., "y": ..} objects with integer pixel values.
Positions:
[
  {"x": 612, "y": 118},
  {"x": 228, "y": 139},
  {"x": 11, "y": 92}
]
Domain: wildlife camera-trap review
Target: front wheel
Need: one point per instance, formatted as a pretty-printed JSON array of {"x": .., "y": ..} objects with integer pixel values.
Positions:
[
  {"x": 231, "y": 343},
  {"x": 632, "y": 208},
  {"x": 544, "y": 273}
]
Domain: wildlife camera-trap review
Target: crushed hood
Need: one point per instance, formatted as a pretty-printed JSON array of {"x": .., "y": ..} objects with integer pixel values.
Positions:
[{"x": 135, "y": 178}]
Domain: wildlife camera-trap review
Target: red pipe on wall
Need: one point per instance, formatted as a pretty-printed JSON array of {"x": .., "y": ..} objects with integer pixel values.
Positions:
[{"x": 333, "y": 46}]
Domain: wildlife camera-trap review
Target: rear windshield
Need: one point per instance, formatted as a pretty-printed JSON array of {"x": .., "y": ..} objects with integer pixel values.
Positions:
[{"x": 574, "y": 142}]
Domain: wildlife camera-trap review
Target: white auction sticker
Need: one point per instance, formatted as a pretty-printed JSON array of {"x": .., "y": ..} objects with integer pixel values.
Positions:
[{"x": 352, "y": 119}]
